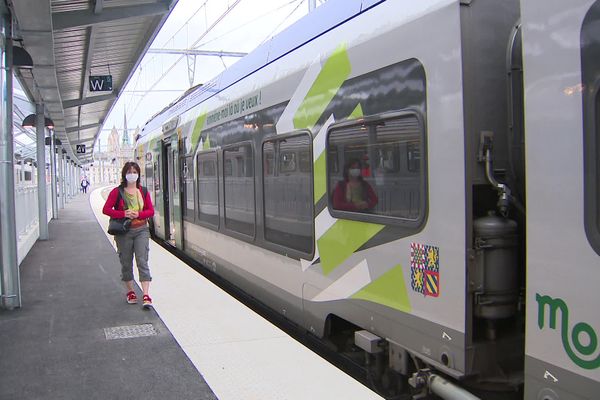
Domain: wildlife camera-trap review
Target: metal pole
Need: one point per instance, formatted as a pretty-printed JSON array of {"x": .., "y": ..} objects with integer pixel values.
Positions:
[
  {"x": 41, "y": 171},
  {"x": 70, "y": 178},
  {"x": 72, "y": 171},
  {"x": 63, "y": 174},
  {"x": 61, "y": 170},
  {"x": 53, "y": 176},
  {"x": 11, "y": 288},
  {"x": 73, "y": 187}
]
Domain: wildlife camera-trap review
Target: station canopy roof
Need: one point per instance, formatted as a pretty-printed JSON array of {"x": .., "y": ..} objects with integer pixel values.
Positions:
[{"x": 71, "y": 40}]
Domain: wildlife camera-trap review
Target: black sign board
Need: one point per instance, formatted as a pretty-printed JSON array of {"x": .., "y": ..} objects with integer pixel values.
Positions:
[
  {"x": 80, "y": 149},
  {"x": 100, "y": 83}
]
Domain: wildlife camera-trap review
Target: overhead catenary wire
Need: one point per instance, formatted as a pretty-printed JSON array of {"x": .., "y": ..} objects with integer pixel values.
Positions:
[
  {"x": 146, "y": 80},
  {"x": 215, "y": 23},
  {"x": 229, "y": 32},
  {"x": 141, "y": 68},
  {"x": 282, "y": 22},
  {"x": 135, "y": 101}
]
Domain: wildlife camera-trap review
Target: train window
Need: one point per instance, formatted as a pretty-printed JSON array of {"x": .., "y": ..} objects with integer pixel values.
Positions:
[
  {"x": 173, "y": 175},
  {"x": 332, "y": 168},
  {"x": 209, "y": 168},
  {"x": 149, "y": 176},
  {"x": 240, "y": 165},
  {"x": 268, "y": 159},
  {"x": 228, "y": 168},
  {"x": 287, "y": 162},
  {"x": 239, "y": 189},
  {"x": 288, "y": 201},
  {"x": 413, "y": 157},
  {"x": 388, "y": 158},
  {"x": 305, "y": 161},
  {"x": 157, "y": 175},
  {"x": 375, "y": 169},
  {"x": 187, "y": 174},
  {"x": 208, "y": 188},
  {"x": 590, "y": 73}
]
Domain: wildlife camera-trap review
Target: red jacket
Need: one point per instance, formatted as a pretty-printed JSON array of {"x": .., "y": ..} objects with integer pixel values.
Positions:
[
  {"x": 339, "y": 197},
  {"x": 119, "y": 211}
]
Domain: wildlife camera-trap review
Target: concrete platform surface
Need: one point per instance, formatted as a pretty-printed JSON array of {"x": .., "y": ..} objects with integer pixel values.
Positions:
[
  {"x": 55, "y": 346},
  {"x": 241, "y": 355},
  {"x": 206, "y": 345}
]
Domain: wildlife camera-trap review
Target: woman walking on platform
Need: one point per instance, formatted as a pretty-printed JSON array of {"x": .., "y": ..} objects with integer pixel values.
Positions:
[{"x": 131, "y": 200}]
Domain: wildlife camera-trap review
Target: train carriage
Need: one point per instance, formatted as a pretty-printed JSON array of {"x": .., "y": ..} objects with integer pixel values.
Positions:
[
  {"x": 561, "y": 45},
  {"x": 441, "y": 275}
]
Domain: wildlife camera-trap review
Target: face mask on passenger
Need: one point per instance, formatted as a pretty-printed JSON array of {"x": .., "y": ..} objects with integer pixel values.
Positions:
[
  {"x": 131, "y": 177},
  {"x": 355, "y": 172}
]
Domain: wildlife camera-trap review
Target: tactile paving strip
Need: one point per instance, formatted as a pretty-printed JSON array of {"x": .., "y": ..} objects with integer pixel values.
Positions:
[{"x": 129, "y": 331}]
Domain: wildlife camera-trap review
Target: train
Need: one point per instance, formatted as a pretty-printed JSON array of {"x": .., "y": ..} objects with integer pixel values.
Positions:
[{"x": 472, "y": 270}]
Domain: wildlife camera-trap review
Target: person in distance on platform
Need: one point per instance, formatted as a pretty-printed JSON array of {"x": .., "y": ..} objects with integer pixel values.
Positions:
[
  {"x": 354, "y": 193},
  {"x": 84, "y": 184},
  {"x": 136, "y": 240}
]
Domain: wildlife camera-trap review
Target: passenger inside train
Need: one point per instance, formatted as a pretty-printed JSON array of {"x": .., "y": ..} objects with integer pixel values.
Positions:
[{"x": 354, "y": 193}]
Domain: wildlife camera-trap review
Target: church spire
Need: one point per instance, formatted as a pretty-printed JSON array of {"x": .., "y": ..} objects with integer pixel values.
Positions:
[{"x": 126, "y": 143}]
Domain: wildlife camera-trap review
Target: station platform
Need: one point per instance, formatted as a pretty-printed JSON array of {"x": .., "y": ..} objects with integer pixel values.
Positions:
[{"x": 76, "y": 337}]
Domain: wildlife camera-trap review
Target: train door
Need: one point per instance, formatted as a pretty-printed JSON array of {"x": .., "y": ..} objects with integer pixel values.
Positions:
[
  {"x": 148, "y": 182},
  {"x": 161, "y": 220},
  {"x": 159, "y": 204},
  {"x": 172, "y": 194}
]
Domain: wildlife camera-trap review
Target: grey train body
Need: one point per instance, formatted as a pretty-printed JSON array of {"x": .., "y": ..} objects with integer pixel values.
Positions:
[{"x": 465, "y": 247}]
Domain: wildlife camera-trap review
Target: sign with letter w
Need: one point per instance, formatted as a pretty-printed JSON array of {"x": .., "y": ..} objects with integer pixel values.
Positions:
[{"x": 100, "y": 83}]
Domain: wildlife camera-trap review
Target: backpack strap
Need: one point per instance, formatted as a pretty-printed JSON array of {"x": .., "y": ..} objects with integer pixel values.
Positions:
[
  {"x": 120, "y": 195},
  {"x": 144, "y": 193}
]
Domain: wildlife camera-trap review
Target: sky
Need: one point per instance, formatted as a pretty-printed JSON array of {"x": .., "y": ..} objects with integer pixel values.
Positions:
[{"x": 202, "y": 25}]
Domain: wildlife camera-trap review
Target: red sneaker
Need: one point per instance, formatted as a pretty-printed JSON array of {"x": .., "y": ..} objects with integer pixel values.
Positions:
[
  {"x": 131, "y": 297},
  {"x": 147, "y": 301}
]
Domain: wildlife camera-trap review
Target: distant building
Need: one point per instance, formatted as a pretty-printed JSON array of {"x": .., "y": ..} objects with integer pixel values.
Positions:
[{"x": 108, "y": 161}]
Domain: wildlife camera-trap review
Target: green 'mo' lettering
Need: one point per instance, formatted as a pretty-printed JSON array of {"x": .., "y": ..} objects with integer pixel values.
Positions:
[{"x": 580, "y": 329}]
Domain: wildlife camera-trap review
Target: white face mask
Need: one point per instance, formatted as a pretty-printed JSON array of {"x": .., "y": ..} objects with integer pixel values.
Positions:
[
  {"x": 355, "y": 172},
  {"x": 131, "y": 178}
]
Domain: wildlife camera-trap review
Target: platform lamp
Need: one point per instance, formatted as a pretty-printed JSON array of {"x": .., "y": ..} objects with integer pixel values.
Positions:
[
  {"x": 21, "y": 58},
  {"x": 31, "y": 119}
]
